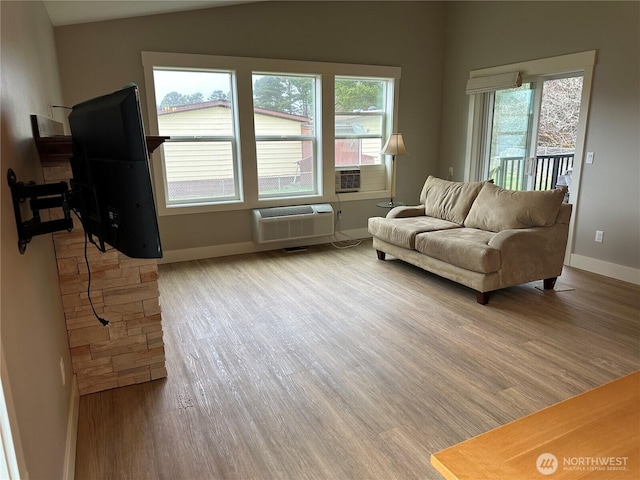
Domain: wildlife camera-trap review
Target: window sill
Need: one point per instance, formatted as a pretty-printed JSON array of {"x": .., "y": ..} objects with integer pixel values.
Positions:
[
  {"x": 369, "y": 195},
  {"x": 239, "y": 205}
]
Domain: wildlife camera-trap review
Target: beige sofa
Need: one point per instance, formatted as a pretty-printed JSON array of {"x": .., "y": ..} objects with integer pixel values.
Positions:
[{"x": 478, "y": 234}]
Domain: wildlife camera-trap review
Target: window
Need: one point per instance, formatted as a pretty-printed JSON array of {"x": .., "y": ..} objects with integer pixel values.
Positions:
[
  {"x": 196, "y": 109},
  {"x": 284, "y": 110},
  {"x": 254, "y": 132},
  {"x": 360, "y": 120}
]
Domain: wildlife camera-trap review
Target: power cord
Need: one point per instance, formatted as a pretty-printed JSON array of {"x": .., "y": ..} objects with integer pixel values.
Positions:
[
  {"x": 104, "y": 322},
  {"x": 342, "y": 244}
]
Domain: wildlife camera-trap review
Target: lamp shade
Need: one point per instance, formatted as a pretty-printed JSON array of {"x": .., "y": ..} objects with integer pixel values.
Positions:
[{"x": 394, "y": 145}]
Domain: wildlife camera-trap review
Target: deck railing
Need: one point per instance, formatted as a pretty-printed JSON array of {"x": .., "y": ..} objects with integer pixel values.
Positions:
[
  {"x": 511, "y": 172},
  {"x": 549, "y": 167}
]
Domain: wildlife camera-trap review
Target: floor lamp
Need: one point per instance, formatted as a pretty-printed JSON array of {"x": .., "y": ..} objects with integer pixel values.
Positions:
[{"x": 394, "y": 146}]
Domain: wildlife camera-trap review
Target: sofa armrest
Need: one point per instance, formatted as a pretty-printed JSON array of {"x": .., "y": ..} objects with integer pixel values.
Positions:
[
  {"x": 406, "y": 211},
  {"x": 535, "y": 249},
  {"x": 520, "y": 240}
]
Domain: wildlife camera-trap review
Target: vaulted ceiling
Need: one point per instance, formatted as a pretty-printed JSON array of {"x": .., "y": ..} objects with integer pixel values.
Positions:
[{"x": 65, "y": 12}]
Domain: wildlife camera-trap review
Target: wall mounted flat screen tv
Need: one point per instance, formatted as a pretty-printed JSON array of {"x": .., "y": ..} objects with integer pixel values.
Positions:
[{"x": 111, "y": 182}]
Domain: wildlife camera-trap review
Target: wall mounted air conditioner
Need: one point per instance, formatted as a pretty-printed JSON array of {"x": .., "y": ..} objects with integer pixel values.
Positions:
[
  {"x": 290, "y": 223},
  {"x": 347, "y": 180}
]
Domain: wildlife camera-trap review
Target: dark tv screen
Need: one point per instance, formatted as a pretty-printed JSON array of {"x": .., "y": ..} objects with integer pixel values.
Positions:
[{"x": 111, "y": 182}]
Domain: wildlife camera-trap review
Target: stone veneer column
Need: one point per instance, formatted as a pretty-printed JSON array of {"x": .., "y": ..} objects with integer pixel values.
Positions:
[{"x": 124, "y": 291}]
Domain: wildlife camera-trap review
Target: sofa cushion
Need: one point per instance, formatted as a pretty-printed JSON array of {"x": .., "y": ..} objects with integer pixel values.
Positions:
[
  {"x": 466, "y": 248},
  {"x": 496, "y": 209},
  {"x": 402, "y": 231},
  {"x": 447, "y": 200}
]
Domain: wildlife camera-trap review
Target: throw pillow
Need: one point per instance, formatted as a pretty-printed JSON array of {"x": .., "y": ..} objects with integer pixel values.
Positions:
[
  {"x": 496, "y": 209},
  {"x": 448, "y": 200}
]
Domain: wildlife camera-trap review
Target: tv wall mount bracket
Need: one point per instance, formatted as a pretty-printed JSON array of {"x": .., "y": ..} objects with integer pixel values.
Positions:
[{"x": 41, "y": 197}]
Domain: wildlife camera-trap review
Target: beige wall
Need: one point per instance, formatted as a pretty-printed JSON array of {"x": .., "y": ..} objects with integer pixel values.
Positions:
[
  {"x": 487, "y": 34},
  {"x": 97, "y": 58},
  {"x": 32, "y": 326},
  {"x": 462, "y": 35}
]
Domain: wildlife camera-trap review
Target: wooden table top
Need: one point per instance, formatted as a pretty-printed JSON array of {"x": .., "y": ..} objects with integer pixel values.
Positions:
[{"x": 593, "y": 435}]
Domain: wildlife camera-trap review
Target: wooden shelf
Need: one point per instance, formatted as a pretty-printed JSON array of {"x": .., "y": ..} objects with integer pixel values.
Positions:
[{"x": 59, "y": 148}]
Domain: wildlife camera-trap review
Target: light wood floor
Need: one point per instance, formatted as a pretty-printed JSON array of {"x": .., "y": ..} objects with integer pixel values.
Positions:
[{"x": 331, "y": 364}]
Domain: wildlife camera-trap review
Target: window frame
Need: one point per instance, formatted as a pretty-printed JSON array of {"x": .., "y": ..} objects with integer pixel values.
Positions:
[
  {"x": 246, "y": 146},
  {"x": 384, "y": 130},
  {"x": 232, "y": 139},
  {"x": 313, "y": 138}
]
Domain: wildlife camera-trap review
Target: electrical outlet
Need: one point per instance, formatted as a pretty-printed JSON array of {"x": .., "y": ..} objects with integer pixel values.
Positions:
[
  {"x": 599, "y": 236},
  {"x": 339, "y": 214},
  {"x": 62, "y": 373},
  {"x": 450, "y": 172}
]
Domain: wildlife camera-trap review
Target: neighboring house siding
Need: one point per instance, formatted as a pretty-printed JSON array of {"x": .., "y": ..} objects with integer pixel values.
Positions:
[
  {"x": 197, "y": 160},
  {"x": 199, "y": 121},
  {"x": 186, "y": 161},
  {"x": 278, "y": 158},
  {"x": 193, "y": 161},
  {"x": 371, "y": 147},
  {"x": 347, "y": 151}
]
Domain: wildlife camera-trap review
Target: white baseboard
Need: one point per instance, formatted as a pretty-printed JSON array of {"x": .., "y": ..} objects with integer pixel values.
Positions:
[
  {"x": 174, "y": 256},
  {"x": 613, "y": 270},
  {"x": 592, "y": 265},
  {"x": 186, "y": 254},
  {"x": 72, "y": 432}
]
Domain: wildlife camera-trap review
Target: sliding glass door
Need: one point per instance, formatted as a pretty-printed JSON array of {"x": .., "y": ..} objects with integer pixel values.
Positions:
[
  {"x": 544, "y": 120},
  {"x": 511, "y": 127},
  {"x": 531, "y": 133}
]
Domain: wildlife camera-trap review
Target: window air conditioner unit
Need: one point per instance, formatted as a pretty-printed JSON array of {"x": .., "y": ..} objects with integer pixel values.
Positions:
[
  {"x": 347, "y": 180},
  {"x": 290, "y": 223}
]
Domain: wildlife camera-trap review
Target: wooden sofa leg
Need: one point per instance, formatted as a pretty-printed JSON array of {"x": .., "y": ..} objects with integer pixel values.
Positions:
[
  {"x": 483, "y": 297},
  {"x": 381, "y": 254},
  {"x": 549, "y": 283}
]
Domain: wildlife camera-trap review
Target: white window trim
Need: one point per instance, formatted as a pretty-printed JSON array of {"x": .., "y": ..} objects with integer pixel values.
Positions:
[
  {"x": 318, "y": 187},
  {"x": 582, "y": 63},
  {"x": 385, "y": 131},
  {"x": 244, "y": 68}
]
